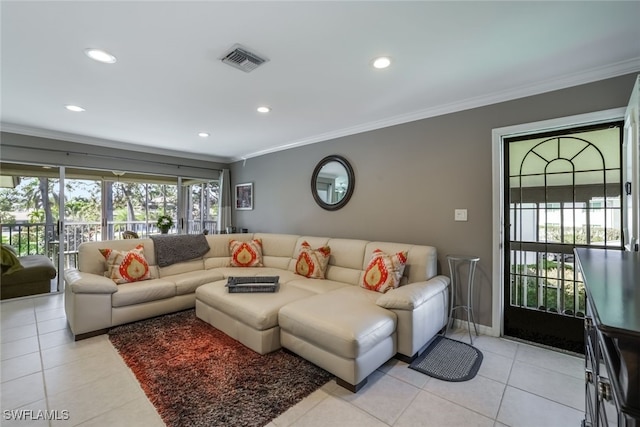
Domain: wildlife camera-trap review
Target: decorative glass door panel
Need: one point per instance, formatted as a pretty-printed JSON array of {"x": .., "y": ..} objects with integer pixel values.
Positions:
[{"x": 564, "y": 191}]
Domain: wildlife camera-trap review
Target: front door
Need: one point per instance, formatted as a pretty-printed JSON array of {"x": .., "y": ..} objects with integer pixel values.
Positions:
[{"x": 563, "y": 190}]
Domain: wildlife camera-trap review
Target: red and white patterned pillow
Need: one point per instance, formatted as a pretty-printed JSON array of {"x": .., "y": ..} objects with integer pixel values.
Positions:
[
  {"x": 311, "y": 262},
  {"x": 126, "y": 266},
  {"x": 384, "y": 271},
  {"x": 245, "y": 254}
]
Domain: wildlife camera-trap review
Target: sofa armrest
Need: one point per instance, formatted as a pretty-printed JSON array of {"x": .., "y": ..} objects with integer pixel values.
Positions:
[
  {"x": 89, "y": 283},
  {"x": 412, "y": 296}
]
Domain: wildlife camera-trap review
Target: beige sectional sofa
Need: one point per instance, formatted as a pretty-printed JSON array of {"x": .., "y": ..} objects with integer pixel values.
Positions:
[{"x": 333, "y": 322}]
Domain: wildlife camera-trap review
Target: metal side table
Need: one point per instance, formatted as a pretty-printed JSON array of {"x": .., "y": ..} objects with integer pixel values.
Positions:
[{"x": 455, "y": 263}]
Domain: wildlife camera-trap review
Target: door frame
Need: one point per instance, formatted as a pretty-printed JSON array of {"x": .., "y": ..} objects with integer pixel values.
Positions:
[
  {"x": 497, "y": 153},
  {"x": 60, "y": 226}
]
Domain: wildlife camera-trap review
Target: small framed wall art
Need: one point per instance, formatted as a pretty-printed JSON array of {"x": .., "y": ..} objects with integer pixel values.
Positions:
[{"x": 244, "y": 196}]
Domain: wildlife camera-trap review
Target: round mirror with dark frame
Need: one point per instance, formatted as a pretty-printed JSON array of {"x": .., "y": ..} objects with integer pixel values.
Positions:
[{"x": 332, "y": 182}]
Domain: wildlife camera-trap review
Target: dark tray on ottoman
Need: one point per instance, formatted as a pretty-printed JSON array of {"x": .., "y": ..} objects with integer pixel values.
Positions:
[{"x": 253, "y": 284}]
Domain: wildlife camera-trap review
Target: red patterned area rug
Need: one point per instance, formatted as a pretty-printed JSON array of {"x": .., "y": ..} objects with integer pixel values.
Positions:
[{"x": 196, "y": 375}]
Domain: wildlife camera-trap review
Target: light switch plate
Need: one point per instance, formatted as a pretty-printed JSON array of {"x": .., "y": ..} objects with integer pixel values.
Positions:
[{"x": 460, "y": 215}]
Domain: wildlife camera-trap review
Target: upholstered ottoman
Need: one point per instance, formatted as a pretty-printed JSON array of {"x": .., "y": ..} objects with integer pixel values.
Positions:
[
  {"x": 342, "y": 331},
  {"x": 251, "y": 318}
]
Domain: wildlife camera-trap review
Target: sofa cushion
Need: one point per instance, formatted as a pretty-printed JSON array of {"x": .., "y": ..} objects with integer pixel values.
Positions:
[
  {"x": 342, "y": 322},
  {"x": 277, "y": 249},
  {"x": 181, "y": 267},
  {"x": 359, "y": 294},
  {"x": 384, "y": 271},
  {"x": 312, "y": 263},
  {"x": 245, "y": 254},
  {"x": 187, "y": 283},
  {"x": 317, "y": 286},
  {"x": 140, "y": 292},
  {"x": 345, "y": 263},
  {"x": 126, "y": 266}
]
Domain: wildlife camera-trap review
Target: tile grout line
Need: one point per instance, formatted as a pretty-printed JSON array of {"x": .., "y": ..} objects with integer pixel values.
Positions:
[
  {"x": 408, "y": 406},
  {"x": 461, "y": 406},
  {"x": 529, "y": 391},
  {"x": 554, "y": 371},
  {"x": 513, "y": 361},
  {"x": 44, "y": 381},
  {"x": 39, "y": 351},
  {"x": 545, "y": 398},
  {"x": 328, "y": 394},
  {"x": 494, "y": 419}
]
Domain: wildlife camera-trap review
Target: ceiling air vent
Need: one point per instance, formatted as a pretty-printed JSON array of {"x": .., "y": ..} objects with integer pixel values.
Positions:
[{"x": 239, "y": 57}]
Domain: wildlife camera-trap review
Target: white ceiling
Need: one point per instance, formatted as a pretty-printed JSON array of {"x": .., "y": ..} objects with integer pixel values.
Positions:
[{"x": 168, "y": 83}]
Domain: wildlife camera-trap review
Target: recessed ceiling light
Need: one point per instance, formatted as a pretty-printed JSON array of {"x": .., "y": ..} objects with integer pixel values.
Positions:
[
  {"x": 100, "y": 56},
  {"x": 74, "y": 108},
  {"x": 203, "y": 135},
  {"x": 264, "y": 109},
  {"x": 381, "y": 62}
]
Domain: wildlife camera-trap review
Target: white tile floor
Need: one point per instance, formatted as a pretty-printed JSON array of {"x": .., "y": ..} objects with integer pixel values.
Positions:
[{"x": 42, "y": 368}]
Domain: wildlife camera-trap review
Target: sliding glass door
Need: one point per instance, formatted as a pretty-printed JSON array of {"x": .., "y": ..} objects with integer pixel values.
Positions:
[
  {"x": 83, "y": 215},
  {"x": 201, "y": 202},
  {"x": 134, "y": 203},
  {"x": 30, "y": 215},
  {"x": 96, "y": 205}
]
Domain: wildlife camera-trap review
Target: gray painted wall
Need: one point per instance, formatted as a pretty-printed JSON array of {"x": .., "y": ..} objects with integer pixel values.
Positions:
[{"x": 411, "y": 177}]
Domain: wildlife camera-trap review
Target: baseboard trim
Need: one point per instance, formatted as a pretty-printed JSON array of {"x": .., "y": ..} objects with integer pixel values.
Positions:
[
  {"x": 482, "y": 329},
  {"x": 405, "y": 358}
]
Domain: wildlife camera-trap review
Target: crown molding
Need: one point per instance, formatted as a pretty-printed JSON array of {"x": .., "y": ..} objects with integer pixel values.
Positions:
[
  {"x": 107, "y": 143},
  {"x": 563, "y": 82}
]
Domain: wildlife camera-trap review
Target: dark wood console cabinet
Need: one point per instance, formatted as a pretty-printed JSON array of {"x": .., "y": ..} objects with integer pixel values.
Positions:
[{"x": 612, "y": 336}]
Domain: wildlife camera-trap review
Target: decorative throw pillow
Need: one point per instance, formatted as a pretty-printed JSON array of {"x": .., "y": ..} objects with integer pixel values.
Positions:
[
  {"x": 246, "y": 254},
  {"x": 384, "y": 271},
  {"x": 312, "y": 262},
  {"x": 126, "y": 266}
]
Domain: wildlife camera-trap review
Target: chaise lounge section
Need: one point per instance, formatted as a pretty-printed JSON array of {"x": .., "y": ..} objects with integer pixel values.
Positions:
[
  {"x": 333, "y": 321},
  {"x": 25, "y": 275}
]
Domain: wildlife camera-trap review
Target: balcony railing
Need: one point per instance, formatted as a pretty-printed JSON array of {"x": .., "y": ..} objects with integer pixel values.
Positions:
[
  {"x": 44, "y": 239},
  {"x": 29, "y": 239}
]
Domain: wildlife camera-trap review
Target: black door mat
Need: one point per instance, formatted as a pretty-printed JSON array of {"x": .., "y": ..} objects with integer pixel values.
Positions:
[{"x": 449, "y": 360}]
